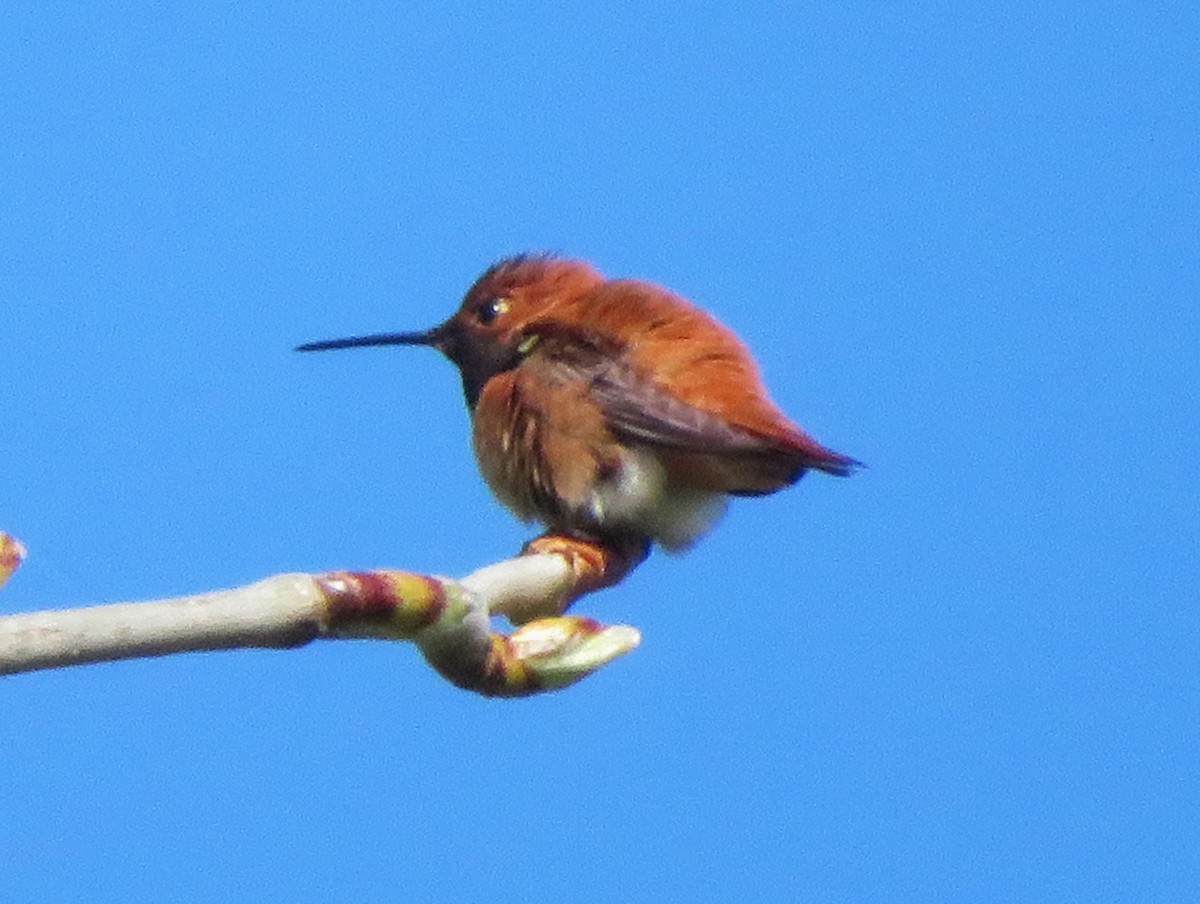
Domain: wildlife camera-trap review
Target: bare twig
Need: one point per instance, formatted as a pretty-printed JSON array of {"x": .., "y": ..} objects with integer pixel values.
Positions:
[{"x": 448, "y": 620}]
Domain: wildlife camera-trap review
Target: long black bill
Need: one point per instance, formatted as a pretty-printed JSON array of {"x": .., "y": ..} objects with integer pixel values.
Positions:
[{"x": 429, "y": 337}]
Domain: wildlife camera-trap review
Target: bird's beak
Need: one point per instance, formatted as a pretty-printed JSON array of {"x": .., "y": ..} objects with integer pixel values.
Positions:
[{"x": 434, "y": 337}]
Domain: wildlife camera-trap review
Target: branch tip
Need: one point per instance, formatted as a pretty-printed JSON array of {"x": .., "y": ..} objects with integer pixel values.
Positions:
[{"x": 12, "y": 554}]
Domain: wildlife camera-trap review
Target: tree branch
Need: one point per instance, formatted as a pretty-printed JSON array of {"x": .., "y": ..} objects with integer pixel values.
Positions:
[{"x": 448, "y": 620}]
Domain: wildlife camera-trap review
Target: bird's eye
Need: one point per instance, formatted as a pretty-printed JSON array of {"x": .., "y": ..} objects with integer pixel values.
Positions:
[{"x": 490, "y": 310}]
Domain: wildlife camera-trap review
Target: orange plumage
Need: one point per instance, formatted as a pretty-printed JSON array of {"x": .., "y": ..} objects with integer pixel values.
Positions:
[{"x": 612, "y": 408}]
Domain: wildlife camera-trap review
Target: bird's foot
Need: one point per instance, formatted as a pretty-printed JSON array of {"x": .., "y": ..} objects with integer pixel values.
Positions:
[{"x": 595, "y": 564}]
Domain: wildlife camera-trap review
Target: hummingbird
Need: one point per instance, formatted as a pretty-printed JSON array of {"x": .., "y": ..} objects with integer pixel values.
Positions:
[{"x": 611, "y": 408}]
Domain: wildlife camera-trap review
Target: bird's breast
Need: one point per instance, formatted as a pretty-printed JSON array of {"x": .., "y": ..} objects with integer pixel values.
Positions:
[{"x": 548, "y": 455}]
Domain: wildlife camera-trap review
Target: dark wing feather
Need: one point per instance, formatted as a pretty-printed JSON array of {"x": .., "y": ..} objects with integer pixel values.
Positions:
[
  {"x": 634, "y": 406},
  {"x": 702, "y": 448}
]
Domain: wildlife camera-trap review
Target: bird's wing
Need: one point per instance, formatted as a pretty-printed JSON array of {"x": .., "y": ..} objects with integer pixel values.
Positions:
[
  {"x": 700, "y": 446},
  {"x": 633, "y": 405}
]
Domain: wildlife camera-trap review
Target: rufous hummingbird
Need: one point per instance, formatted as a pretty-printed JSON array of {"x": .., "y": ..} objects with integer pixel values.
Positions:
[{"x": 611, "y": 408}]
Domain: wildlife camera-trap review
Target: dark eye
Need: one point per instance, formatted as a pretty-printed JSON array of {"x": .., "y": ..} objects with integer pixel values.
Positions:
[{"x": 489, "y": 310}]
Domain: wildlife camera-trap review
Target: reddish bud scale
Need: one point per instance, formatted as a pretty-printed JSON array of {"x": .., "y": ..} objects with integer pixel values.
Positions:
[
  {"x": 387, "y": 603},
  {"x": 506, "y": 672},
  {"x": 504, "y": 675},
  {"x": 12, "y": 554}
]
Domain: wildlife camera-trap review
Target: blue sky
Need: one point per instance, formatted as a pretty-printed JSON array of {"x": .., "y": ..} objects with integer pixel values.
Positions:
[{"x": 961, "y": 240}]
